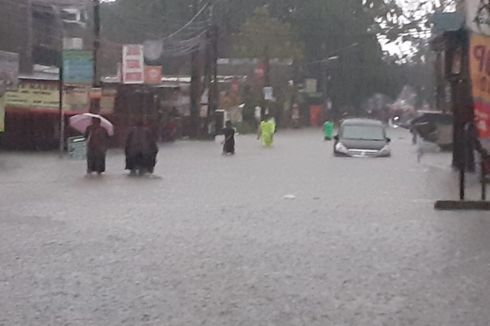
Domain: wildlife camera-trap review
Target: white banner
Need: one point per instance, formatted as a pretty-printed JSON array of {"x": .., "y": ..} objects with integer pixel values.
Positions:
[
  {"x": 133, "y": 67},
  {"x": 478, "y": 16}
]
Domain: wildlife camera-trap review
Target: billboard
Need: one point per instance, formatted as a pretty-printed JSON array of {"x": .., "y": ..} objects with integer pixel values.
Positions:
[
  {"x": 133, "y": 66},
  {"x": 9, "y": 70},
  {"x": 36, "y": 94},
  {"x": 78, "y": 67},
  {"x": 480, "y": 79}
]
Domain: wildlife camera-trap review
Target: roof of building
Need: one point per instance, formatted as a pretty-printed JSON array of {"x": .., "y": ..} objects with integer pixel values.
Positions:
[{"x": 75, "y": 3}]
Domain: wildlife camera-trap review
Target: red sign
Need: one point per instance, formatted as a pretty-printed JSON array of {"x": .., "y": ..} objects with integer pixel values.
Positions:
[
  {"x": 480, "y": 78},
  {"x": 260, "y": 71},
  {"x": 133, "y": 67},
  {"x": 153, "y": 74}
]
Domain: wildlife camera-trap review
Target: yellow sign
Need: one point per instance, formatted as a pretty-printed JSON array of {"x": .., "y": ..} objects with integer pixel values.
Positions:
[{"x": 34, "y": 94}]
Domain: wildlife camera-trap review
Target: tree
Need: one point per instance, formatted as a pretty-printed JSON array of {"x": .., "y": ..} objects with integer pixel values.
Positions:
[{"x": 261, "y": 33}]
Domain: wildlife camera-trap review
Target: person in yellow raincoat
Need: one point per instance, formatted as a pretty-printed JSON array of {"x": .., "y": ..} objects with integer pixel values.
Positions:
[{"x": 266, "y": 131}]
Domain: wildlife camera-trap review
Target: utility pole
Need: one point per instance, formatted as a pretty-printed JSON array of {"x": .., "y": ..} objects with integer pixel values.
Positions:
[
  {"x": 61, "y": 84},
  {"x": 95, "y": 102},
  {"x": 267, "y": 80},
  {"x": 29, "y": 36},
  {"x": 212, "y": 67},
  {"x": 195, "y": 84}
]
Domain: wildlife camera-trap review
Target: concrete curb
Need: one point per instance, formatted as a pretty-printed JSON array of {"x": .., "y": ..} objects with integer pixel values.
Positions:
[{"x": 455, "y": 205}]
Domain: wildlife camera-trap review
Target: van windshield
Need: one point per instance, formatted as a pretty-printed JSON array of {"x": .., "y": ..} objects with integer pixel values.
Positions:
[{"x": 363, "y": 132}]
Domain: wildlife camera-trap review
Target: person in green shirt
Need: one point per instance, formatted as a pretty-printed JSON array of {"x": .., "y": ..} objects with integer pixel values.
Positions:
[
  {"x": 328, "y": 128},
  {"x": 266, "y": 131}
]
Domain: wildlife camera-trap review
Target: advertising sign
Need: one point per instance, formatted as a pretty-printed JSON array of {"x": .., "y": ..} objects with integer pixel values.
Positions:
[
  {"x": 153, "y": 75},
  {"x": 34, "y": 95},
  {"x": 9, "y": 70},
  {"x": 480, "y": 78},
  {"x": 478, "y": 16},
  {"x": 268, "y": 93},
  {"x": 133, "y": 67},
  {"x": 77, "y": 67}
]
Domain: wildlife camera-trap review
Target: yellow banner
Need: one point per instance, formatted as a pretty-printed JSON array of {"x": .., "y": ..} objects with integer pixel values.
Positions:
[
  {"x": 45, "y": 95},
  {"x": 34, "y": 94}
]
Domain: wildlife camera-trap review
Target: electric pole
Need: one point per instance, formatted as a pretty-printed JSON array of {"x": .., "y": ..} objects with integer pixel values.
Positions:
[
  {"x": 212, "y": 68},
  {"x": 195, "y": 85},
  {"x": 95, "y": 102}
]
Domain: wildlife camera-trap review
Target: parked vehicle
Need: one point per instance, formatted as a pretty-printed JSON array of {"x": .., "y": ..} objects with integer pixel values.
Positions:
[
  {"x": 362, "y": 138},
  {"x": 433, "y": 126}
]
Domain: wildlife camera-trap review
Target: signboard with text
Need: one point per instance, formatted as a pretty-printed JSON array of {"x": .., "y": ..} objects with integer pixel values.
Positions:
[
  {"x": 77, "y": 67},
  {"x": 34, "y": 94},
  {"x": 480, "y": 78},
  {"x": 133, "y": 65}
]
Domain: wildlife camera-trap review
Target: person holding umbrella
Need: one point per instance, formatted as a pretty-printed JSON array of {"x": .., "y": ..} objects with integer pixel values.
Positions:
[
  {"x": 97, "y": 143},
  {"x": 97, "y": 131}
]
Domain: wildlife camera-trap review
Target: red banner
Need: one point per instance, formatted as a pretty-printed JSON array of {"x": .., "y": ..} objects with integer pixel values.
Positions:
[{"x": 480, "y": 78}]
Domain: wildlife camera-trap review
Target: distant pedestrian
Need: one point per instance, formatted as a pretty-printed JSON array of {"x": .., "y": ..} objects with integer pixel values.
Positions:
[
  {"x": 97, "y": 144},
  {"x": 266, "y": 131},
  {"x": 229, "y": 142},
  {"x": 328, "y": 129},
  {"x": 141, "y": 150}
]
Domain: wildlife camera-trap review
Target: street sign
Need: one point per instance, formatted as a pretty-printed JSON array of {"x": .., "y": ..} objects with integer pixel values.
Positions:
[
  {"x": 9, "y": 70},
  {"x": 311, "y": 85},
  {"x": 133, "y": 66},
  {"x": 78, "y": 67},
  {"x": 77, "y": 148},
  {"x": 268, "y": 93}
]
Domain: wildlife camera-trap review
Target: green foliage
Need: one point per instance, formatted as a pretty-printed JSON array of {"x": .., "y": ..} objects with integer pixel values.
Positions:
[
  {"x": 311, "y": 30},
  {"x": 262, "y": 33}
]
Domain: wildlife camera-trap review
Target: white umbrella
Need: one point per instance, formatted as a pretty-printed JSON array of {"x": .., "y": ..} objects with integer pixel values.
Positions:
[{"x": 81, "y": 122}]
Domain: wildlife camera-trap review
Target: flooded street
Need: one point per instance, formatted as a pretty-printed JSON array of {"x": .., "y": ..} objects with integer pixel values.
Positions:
[{"x": 286, "y": 236}]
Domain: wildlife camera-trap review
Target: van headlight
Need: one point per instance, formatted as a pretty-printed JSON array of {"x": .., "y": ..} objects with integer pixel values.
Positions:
[{"x": 341, "y": 148}]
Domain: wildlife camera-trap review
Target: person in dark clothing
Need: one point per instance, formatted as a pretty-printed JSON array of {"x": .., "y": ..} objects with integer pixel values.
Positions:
[
  {"x": 229, "y": 142},
  {"x": 97, "y": 143},
  {"x": 141, "y": 150}
]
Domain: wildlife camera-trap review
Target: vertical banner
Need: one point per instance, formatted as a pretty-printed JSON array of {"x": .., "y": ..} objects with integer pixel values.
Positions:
[
  {"x": 2, "y": 112},
  {"x": 480, "y": 79},
  {"x": 133, "y": 66}
]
